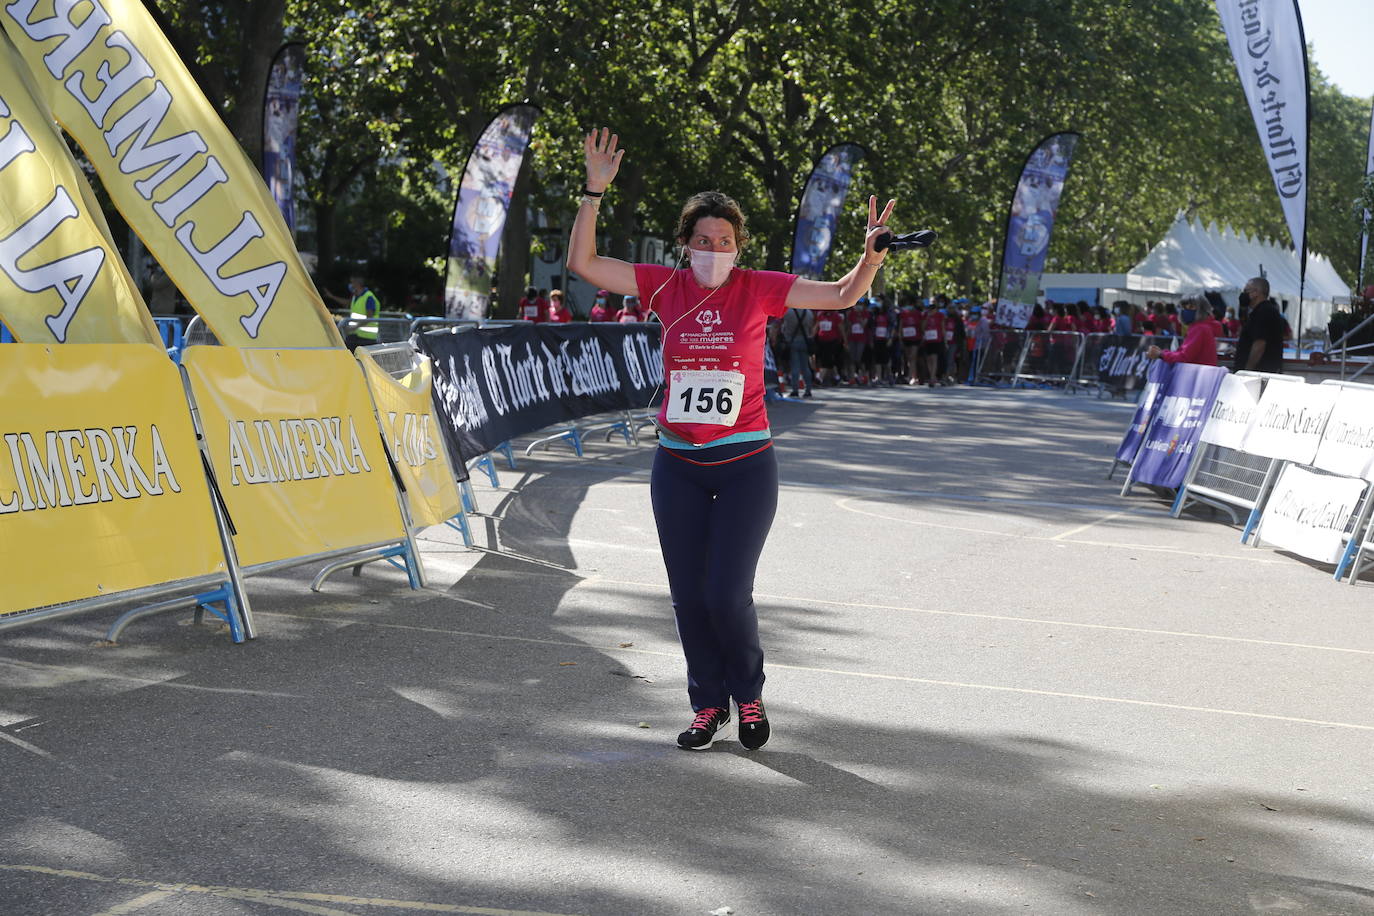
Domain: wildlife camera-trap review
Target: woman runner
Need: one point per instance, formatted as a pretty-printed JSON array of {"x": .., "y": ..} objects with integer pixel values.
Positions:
[{"x": 714, "y": 485}]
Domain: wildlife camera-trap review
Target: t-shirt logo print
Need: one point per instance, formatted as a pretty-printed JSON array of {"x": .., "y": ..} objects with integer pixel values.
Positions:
[{"x": 708, "y": 319}]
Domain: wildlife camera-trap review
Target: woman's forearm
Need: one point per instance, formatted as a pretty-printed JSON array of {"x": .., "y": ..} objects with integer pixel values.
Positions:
[
  {"x": 857, "y": 282},
  {"x": 582, "y": 241}
]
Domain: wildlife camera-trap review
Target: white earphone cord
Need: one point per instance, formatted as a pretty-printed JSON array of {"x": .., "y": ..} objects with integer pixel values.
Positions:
[{"x": 663, "y": 338}]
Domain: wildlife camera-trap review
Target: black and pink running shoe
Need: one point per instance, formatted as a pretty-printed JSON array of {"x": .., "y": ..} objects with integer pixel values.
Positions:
[
  {"x": 702, "y": 732},
  {"x": 753, "y": 725}
]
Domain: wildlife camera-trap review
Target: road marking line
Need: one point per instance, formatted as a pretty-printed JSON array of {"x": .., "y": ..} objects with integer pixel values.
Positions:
[
  {"x": 136, "y": 904},
  {"x": 887, "y": 491},
  {"x": 1071, "y": 531},
  {"x": 277, "y": 898},
  {"x": 1185, "y": 634},
  {"x": 562, "y": 643},
  {"x": 1246, "y": 558},
  {"x": 20, "y": 742},
  {"x": 90, "y": 673}
]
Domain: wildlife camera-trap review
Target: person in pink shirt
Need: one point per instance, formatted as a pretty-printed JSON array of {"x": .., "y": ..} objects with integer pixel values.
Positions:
[
  {"x": 600, "y": 310},
  {"x": 628, "y": 314},
  {"x": 1200, "y": 344},
  {"x": 559, "y": 313},
  {"x": 714, "y": 483}
]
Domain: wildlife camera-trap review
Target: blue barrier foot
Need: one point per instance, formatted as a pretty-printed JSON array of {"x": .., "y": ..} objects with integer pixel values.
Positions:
[
  {"x": 505, "y": 449},
  {"x": 459, "y": 523}
]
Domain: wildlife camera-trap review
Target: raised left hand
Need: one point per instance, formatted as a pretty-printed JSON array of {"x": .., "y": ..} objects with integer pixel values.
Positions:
[{"x": 877, "y": 225}]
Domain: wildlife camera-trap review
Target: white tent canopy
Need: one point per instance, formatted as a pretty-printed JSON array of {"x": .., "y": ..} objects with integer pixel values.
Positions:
[
  {"x": 1197, "y": 259},
  {"x": 1192, "y": 258}
]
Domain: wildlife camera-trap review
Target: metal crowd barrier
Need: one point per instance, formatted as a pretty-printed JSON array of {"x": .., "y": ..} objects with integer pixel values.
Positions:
[
  {"x": 1228, "y": 479},
  {"x": 1359, "y": 550},
  {"x": 173, "y": 335},
  {"x": 1225, "y": 479},
  {"x": 392, "y": 327},
  {"x": 399, "y": 360},
  {"x": 198, "y": 333},
  {"x": 1089, "y": 374},
  {"x": 1049, "y": 358},
  {"x": 1001, "y": 357}
]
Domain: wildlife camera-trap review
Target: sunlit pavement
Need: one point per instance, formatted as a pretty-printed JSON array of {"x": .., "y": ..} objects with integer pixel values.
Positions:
[{"x": 996, "y": 687}]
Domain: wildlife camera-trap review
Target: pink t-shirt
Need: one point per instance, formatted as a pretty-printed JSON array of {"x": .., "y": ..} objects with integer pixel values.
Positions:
[
  {"x": 720, "y": 330},
  {"x": 1200, "y": 346},
  {"x": 599, "y": 313}
]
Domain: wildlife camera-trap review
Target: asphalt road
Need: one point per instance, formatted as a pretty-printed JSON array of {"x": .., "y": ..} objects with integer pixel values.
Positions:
[{"x": 996, "y": 687}]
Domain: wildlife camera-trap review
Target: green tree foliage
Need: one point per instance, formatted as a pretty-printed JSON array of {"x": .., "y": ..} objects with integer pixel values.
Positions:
[{"x": 742, "y": 95}]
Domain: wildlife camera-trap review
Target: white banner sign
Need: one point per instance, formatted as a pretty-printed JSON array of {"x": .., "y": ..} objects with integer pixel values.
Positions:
[
  {"x": 1271, "y": 58},
  {"x": 1347, "y": 447},
  {"x": 1232, "y": 411},
  {"x": 1307, "y": 513},
  {"x": 1289, "y": 422}
]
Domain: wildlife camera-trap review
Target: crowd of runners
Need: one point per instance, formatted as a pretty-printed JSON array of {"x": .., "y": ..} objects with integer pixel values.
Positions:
[{"x": 888, "y": 341}]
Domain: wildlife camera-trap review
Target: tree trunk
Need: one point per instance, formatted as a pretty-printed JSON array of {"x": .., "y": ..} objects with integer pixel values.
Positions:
[
  {"x": 779, "y": 240},
  {"x": 262, "y": 37},
  {"x": 629, "y": 190},
  {"x": 324, "y": 239},
  {"x": 512, "y": 274}
]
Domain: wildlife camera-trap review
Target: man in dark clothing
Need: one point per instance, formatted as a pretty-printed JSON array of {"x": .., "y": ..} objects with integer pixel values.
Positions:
[{"x": 1261, "y": 339}]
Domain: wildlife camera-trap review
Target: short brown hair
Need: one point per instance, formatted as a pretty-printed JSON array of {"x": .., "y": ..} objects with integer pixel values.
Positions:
[{"x": 711, "y": 203}]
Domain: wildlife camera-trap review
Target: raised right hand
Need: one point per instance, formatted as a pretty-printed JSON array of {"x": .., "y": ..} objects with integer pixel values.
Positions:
[{"x": 603, "y": 159}]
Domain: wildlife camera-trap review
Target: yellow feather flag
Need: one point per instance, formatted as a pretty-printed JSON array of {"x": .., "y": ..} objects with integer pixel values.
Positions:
[
  {"x": 172, "y": 168},
  {"x": 61, "y": 277}
]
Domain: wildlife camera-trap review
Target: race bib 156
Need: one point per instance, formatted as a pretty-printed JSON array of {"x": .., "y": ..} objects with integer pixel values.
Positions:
[{"x": 705, "y": 396}]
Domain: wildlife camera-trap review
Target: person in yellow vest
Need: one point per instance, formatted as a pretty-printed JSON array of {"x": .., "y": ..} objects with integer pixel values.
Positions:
[{"x": 364, "y": 305}]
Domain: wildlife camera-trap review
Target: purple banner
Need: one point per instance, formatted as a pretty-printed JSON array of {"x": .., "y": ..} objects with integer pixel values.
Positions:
[
  {"x": 1184, "y": 404},
  {"x": 479, "y": 215},
  {"x": 280, "y": 110},
  {"x": 821, "y": 203},
  {"x": 1145, "y": 409},
  {"x": 1029, "y": 226}
]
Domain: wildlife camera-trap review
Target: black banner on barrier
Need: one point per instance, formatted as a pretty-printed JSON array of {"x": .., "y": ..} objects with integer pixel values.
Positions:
[
  {"x": 493, "y": 384},
  {"x": 1123, "y": 363}
]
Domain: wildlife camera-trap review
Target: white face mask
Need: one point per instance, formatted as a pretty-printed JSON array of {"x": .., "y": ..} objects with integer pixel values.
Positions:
[{"x": 712, "y": 268}]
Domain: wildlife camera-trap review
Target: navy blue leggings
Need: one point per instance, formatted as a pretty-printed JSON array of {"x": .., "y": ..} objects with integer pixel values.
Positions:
[{"x": 712, "y": 523}]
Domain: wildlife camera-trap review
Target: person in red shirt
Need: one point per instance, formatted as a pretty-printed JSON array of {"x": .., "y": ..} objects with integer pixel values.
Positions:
[
  {"x": 628, "y": 313},
  {"x": 1231, "y": 324},
  {"x": 714, "y": 484},
  {"x": 932, "y": 343},
  {"x": 600, "y": 310},
  {"x": 559, "y": 313},
  {"x": 1105, "y": 324},
  {"x": 829, "y": 346},
  {"x": 1200, "y": 344},
  {"x": 954, "y": 364},
  {"x": 860, "y": 353},
  {"x": 531, "y": 306},
  {"x": 882, "y": 340},
  {"x": 909, "y": 330}
]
